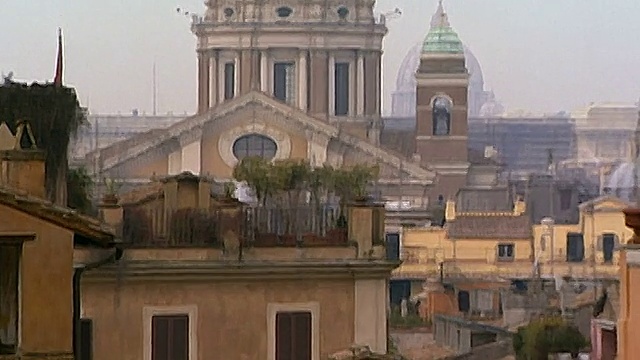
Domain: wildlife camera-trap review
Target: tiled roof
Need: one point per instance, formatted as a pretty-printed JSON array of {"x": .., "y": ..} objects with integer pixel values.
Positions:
[
  {"x": 489, "y": 226},
  {"x": 61, "y": 216}
]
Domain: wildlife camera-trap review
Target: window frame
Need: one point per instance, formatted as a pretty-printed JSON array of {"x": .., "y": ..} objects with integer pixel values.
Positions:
[
  {"x": 274, "y": 308},
  {"x": 346, "y": 65},
  {"x": 290, "y": 83},
  {"x": 247, "y": 149},
  {"x": 506, "y": 246},
  {"x": 16, "y": 245},
  {"x": 149, "y": 312}
]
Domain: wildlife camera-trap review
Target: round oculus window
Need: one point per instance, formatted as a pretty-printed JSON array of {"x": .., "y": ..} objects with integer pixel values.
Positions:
[
  {"x": 255, "y": 145},
  {"x": 284, "y": 11}
]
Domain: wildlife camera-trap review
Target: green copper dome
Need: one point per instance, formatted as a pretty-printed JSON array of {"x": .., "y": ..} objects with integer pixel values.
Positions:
[{"x": 441, "y": 38}]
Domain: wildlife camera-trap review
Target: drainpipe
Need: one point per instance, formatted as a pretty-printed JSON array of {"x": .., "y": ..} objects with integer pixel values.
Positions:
[{"x": 77, "y": 276}]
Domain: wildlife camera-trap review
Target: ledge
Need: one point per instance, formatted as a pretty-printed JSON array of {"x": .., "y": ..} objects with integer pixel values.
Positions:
[{"x": 233, "y": 270}]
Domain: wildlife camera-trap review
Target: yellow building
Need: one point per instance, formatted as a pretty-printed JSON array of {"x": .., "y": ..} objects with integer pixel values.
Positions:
[
  {"x": 39, "y": 317},
  {"x": 507, "y": 244},
  {"x": 473, "y": 244},
  {"x": 587, "y": 249},
  {"x": 209, "y": 286}
]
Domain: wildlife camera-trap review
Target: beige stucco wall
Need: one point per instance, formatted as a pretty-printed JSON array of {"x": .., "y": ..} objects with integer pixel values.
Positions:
[
  {"x": 46, "y": 292},
  {"x": 232, "y": 316}
]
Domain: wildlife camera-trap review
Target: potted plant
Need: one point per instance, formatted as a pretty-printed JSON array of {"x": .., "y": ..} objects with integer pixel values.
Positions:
[{"x": 111, "y": 191}]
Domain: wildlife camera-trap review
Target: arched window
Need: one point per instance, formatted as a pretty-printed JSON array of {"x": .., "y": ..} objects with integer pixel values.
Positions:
[
  {"x": 254, "y": 145},
  {"x": 441, "y": 115}
]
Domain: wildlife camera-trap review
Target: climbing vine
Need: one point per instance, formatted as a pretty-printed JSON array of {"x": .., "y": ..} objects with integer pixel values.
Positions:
[{"x": 54, "y": 114}]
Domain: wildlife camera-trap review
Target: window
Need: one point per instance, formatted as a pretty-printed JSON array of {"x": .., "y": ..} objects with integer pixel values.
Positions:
[
  {"x": 575, "y": 247},
  {"x": 565, "y": 199},
  {"x": 86, "y": 339},
  {"x": 342, "y": 89},
  {"x": 170, "y": 337},
  {"x": 228, "y": 12},
  {"x": 393, "y": 246},
  {"x": 608, "y": 246},
  {"x": 229, "y": 80},
  {"x": 10, "y": 262},
  {"x": 293, "y": 335},
  {"x": 284, "y": 81},
  {"x": 254, "y": 145},
  {"x": 441, "y": 116},
  {"x": 506, "y": 252}
]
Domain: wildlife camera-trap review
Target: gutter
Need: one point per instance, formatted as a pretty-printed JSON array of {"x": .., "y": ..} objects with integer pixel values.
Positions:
[{"x": 77, "y": 276}]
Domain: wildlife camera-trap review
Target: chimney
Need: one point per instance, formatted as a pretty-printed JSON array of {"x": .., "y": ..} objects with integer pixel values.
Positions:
[
  {"x": 22, "y": 165},
  {"x": 519, "y": 206},
  {"x": 366, "y": 226}
]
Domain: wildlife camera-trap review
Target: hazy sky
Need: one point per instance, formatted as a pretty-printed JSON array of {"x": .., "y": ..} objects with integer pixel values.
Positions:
[{"x": 540, "y": 55}]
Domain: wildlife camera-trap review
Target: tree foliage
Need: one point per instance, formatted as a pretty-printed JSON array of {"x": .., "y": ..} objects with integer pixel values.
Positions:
[
  {"x": 545, "y": 336},
  {"x": 54, "y": 114},
  {"x": 290, "y": 179}
]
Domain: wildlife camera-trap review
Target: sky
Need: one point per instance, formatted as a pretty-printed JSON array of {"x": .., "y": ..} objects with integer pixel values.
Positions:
[{"x": 536, "y": 55}]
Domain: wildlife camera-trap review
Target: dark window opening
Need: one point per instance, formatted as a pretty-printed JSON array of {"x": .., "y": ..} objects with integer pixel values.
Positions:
[
  {"x": 393, "y": 246},
  {"x": 254, "y": 145},
  {"x": 441, "y": 116},
  {"x": 575, "y": 247},
  {"x": 10, "y": 262},
  {"x": 343, "y": 12},
  {"x": 293, "y": 336},
  {"x": 86, "y": 339},
  {"x": 464, "y": 301},
  {"x": 342, "y": 89},
  {"x": 228, "y": 12},
  {"x": 506, "y": 252},
  {"x": 284, "y": 84},
  {"x": 229, "y": 80},
  {"x": 608, "y": 246},
  {"x": 170, "y": 337},
  {"x": 565, "y": 199},
  {"x": 284, "y": 12}
]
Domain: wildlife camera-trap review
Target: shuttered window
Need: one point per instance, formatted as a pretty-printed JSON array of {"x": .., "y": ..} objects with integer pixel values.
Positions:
[
  {"x": 170, "y": 337},
  {"x": 293, "y": 336},
  {"x": 86, "y": 339}
]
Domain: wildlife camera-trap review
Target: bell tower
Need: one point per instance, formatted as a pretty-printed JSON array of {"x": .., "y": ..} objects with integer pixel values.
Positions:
[{"x": 441, "y": 106}]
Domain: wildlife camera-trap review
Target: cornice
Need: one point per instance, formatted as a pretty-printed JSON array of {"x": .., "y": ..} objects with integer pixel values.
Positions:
[{"x": 253, "y": 270}]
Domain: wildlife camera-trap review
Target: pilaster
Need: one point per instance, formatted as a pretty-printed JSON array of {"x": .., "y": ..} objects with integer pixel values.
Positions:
[
  {"x": 302, "y": 80},
  {"x": 360, "y": 84}
]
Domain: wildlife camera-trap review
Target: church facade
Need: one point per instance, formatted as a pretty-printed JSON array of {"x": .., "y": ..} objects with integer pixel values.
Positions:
[{"x": 302, "y": 80}]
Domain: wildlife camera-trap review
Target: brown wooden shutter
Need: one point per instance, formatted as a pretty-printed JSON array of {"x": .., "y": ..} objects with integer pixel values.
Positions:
[
  {"x": 293, "y": 336},
  {"x": 86, "y": 339},
  {"x": 170, "y": 337}
]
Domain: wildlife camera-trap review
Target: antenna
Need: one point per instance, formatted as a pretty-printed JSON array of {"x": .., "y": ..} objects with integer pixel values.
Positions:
[{"x": 155, "y": 90}]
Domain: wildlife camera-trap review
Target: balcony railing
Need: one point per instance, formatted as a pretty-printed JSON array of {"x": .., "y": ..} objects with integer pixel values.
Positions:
[
  {"x": 306, "y": 226},
  {"x": 170, "y": 228}
]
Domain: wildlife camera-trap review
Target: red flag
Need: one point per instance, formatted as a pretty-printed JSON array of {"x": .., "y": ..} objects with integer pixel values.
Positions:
[{"x": 57, "y": 80}]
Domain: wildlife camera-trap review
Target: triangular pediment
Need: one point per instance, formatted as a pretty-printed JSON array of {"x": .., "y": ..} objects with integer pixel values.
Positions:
[{"x": 284, "y": 112}]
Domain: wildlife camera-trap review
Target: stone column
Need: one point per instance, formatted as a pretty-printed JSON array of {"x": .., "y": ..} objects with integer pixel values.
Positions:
[
  {"x": 264, "y": 72},
  {"x": 203, "y": 82},
  {"x": 231, "y": 220},
  {"x": 302, "y": 80},
  {"x": 360, "y": 84},
  {"x": 213, "y": 77},
  {"x": 378, "y": 65},
  {"x": 332, "y": 85},
  {"x": 238, "y": 71}
]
